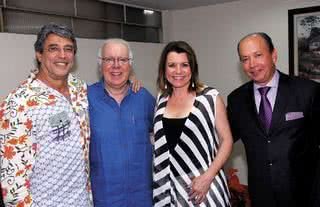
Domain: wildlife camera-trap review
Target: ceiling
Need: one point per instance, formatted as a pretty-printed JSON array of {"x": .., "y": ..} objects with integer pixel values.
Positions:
[{"x": 169, "y": 4}]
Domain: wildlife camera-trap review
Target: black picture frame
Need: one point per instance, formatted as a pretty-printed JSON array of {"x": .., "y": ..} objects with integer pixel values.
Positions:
[{"x": 304, "y": 42}]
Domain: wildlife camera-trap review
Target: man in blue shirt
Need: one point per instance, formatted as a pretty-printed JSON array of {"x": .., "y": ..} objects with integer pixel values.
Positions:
[{"x": 121, "y": 122}]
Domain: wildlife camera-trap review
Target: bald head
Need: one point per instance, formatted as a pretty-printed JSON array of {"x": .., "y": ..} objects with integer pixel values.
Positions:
[{"x": 266, "y": 38}]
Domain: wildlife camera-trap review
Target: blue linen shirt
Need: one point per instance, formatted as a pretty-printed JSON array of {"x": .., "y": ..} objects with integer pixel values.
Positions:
[{"x": 120, "y": 148}]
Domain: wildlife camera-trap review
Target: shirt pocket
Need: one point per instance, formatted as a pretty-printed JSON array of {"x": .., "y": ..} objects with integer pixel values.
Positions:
[{"x": 141, "y": 130}]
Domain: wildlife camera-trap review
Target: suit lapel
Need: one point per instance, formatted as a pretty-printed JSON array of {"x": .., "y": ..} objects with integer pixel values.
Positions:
[
  {"x": 283, "y": 94},
  {"x": 252, "y": 109}
]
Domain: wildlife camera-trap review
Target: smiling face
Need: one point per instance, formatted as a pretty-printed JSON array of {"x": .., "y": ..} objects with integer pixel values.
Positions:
[
  {"x": 178, "y": 71},
  {"x": 116, "y": 72},
  {"x": 57, "y": 57},
  {"x": 257, "y": 60}
]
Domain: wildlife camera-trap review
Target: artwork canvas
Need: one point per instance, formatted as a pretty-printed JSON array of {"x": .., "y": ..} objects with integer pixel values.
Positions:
[{"x": 304, "y": 42}]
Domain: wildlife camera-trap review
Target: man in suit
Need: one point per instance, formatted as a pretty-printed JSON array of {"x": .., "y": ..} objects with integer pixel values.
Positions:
[{"x": 279, "y": 136}]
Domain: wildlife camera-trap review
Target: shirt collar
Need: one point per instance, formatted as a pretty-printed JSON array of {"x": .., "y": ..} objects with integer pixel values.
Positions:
[{"x": 107, "y": 93}]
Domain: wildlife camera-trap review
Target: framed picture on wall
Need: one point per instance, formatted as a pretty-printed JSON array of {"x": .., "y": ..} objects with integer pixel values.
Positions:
[{"x": 304, "y": 42}]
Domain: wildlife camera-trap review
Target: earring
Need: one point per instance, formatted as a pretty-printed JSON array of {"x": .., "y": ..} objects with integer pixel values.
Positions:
[
  {"x": 165, "y": 86},
  {"x": 192, "y": 85}
]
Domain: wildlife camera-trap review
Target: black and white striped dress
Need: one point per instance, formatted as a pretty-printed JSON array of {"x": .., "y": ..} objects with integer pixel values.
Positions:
[{"x": 193, "y": 154}]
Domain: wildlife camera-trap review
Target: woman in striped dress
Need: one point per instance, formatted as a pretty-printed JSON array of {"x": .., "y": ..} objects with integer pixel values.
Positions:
[{"x": 192, "y": 135}]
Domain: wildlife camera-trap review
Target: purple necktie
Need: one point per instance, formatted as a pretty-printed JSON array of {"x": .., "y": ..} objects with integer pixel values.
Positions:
[{"x": 265, "y": 110}]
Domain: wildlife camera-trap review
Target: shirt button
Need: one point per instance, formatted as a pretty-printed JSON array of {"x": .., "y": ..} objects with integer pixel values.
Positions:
[
  {"x": 269, "y": 141},
  {"x": 270, "y": 164}
]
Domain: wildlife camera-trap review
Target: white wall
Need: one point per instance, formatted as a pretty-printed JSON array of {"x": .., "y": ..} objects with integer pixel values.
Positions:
[
  {"x": 17, "y": 59},
  {"x": 214, "y": 32}
]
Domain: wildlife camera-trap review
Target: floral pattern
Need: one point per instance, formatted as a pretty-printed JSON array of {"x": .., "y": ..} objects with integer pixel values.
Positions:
[
  {"x": 239, "y": 192},
  {"x": 17, "y": 149}
]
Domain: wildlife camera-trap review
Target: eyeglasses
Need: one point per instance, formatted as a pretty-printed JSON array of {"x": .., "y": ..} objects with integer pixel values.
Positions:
[
  {"x": 56, "y": 49},
  {"x": 111, "y": 60}
]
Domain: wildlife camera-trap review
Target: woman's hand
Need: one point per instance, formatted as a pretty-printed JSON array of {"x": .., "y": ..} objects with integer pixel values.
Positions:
[
  {"x": 201, "y": 184},
  {"x": 199, "y": 188},
  {"x": 136, "y": 85}
]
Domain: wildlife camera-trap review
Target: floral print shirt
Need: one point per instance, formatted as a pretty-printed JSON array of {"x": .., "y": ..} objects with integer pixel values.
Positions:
[{"x": 18, "y": 149}]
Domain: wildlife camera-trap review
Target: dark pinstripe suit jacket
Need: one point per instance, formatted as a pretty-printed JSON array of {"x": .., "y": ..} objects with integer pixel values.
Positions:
[{"x": 281, "y": 162}]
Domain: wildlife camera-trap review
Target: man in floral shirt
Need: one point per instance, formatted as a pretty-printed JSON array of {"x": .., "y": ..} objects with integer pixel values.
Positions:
[{"x": 44, "y": 130}]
